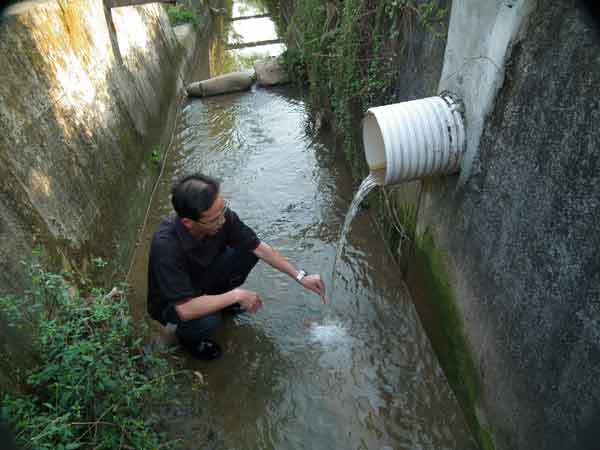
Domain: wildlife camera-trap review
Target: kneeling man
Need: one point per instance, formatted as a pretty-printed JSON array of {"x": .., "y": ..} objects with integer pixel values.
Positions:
[{"x": 199, "y": 258}]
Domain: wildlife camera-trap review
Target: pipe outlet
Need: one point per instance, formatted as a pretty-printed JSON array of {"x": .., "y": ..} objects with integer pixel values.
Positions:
[{"x": 410, "y": 140}]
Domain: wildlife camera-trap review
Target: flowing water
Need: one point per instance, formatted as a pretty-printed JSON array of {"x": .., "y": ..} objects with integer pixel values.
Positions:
[
  {"x": 363, "y": 190},
  {"x": 357, "y": 374}
]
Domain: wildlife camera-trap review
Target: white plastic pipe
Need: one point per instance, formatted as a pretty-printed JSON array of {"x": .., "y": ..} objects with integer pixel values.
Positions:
[{"x": 411, "y": 140}]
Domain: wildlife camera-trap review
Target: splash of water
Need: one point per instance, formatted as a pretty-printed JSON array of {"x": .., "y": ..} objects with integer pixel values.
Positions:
[
  {"x": 365, "y": 187},
  {"x": 330, "y": 332}
]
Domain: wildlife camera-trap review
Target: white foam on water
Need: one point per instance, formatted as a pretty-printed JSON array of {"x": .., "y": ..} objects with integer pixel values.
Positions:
[
  {"x": 329, "y": 333},
  {"x": 336, "y": 345}
]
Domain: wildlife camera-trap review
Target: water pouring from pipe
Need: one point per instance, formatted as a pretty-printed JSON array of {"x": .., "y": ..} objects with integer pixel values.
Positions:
[{"x": 407, "y": 141}]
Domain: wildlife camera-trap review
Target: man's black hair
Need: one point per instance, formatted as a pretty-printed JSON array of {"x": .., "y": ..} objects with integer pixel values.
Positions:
[{"x": 193, "y": 194}]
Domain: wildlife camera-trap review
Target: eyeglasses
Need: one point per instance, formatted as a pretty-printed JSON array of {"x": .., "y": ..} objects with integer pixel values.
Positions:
[{"x": 217, "y": 220}]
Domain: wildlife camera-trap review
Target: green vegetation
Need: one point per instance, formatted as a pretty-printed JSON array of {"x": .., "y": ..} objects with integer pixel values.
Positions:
[
  {"x": 348, "y": 52},
  {"x": 399, "y": 220},
  {"x": 92, "y": 385},
  {"x": 179, "y": 15},
  {"x": 156, "y": 157}
]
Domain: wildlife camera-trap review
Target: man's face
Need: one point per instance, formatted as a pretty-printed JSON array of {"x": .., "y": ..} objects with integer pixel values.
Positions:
[{"x": 210, "y": 221}]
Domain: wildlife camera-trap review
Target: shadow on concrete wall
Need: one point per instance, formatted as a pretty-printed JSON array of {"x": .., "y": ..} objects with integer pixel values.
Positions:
[{"x": 72, "y": 158}]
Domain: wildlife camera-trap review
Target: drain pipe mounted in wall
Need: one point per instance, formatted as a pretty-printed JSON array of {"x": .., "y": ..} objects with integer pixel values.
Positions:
[
  {"x": 415, "y": 139},
  {"x": 424, "y": 137}
]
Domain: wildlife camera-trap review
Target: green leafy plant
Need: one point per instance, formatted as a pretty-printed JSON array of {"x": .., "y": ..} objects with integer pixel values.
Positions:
[
  {"x": 179, "y": 14},
  {"x": 99, "y": 262},
  {"x": 296, "y": 66},
  {"x": 93, "y": 385},
  {"x": 156, "y": 156}
]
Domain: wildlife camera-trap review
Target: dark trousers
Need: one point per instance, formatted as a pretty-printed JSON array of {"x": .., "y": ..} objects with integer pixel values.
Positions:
[{"x": 228, "y": 271}]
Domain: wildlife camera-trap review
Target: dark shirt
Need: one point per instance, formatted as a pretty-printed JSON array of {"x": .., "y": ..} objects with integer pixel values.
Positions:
[{"x": 178, "y": 261}]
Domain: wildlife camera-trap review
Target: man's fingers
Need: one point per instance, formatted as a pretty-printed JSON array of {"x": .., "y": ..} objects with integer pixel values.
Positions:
[
  {"x": 256, "y": 305},
  {"x": 322, "y": 287},
  {"x": 318, "y": 286},
  {"x": 315, "y": 284},
  {"x": 251, "y": 303}
]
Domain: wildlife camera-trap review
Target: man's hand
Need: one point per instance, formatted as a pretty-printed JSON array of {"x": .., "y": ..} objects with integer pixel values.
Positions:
[
  {"x": 315, "y": 284},
  {"x": 248, "y": 300},
  {"x": 275, "y": 259}
]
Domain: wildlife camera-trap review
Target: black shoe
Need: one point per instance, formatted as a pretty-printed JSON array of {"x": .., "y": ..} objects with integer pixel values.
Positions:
[{"x": 206, "y": 350}]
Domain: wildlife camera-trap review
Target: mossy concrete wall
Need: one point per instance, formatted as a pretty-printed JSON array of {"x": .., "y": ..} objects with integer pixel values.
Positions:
[
  {"x": 87, "y": 93},
  {"x": 519, "y": 241},
  {"x": 88, "y": 99}
]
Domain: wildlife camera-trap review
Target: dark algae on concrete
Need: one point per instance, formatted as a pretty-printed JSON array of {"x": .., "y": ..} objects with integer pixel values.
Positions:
[{"x": 435, "y": 300}]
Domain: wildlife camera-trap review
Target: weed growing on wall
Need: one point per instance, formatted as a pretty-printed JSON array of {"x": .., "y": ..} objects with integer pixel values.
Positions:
[
  {"x": 93, "y": 386},
  {"x": 348, "y": 53},
  {"x": 156, "y": 157},
  {"x": 179, "y": 14}
]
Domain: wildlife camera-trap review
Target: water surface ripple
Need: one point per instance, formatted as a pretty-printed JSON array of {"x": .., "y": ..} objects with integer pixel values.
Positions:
[{"x": 359, "y": 374}]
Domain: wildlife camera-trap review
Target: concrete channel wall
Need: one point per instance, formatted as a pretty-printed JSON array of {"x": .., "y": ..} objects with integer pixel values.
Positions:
[
  {"x": 513, "y": 241},
  {"x": 88, "y": 99},
  {"x": 87, "y": 94}
]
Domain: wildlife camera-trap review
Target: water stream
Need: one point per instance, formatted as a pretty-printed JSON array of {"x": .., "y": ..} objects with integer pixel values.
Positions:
[
  {"x": 360, "y": 374},
  {"x": 363, "y": 190}
]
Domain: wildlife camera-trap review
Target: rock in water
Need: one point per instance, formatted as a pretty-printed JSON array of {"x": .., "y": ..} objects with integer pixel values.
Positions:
[
  {"x": 224, "y": 84},
  {"x": 270, "y": 72}
]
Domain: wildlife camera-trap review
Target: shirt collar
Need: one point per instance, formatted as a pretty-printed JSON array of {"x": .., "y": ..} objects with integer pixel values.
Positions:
[{"x": 184, "y": 236}]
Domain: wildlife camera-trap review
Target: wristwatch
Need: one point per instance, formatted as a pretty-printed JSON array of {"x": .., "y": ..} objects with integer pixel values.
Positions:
[{"x": 301, "y": 274}]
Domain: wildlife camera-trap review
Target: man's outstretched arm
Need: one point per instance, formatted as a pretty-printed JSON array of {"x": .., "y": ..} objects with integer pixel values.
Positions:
[
  {"x": 204, "y": 305},
  {"x": 275, "y": 259}
]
